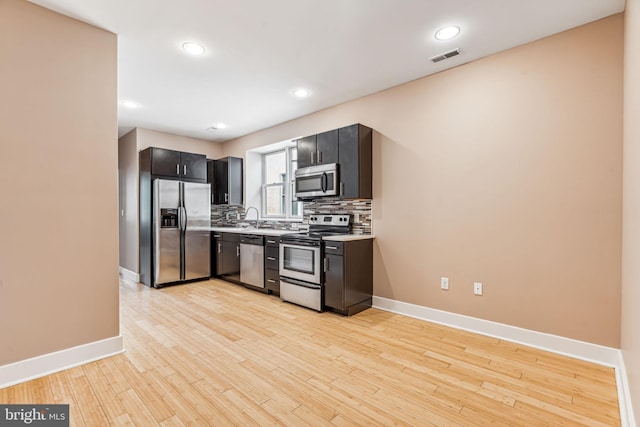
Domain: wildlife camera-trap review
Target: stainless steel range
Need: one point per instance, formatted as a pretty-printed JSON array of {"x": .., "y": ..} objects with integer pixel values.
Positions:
[{"x": 301, "y": 275}]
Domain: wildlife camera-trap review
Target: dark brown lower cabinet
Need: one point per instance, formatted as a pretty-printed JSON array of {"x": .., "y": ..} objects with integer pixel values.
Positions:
[
  {"x": 272, "y": 264},
  {"x": 225, "y": 256},
  {"x": 348, "y": 276}
]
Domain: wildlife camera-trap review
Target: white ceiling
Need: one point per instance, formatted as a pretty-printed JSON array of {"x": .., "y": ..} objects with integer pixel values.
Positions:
[{"x": 259, "y": 51}]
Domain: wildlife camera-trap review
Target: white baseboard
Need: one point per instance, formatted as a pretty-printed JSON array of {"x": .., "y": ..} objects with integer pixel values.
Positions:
[
  {"x": 624, "y": 394},
  {"x": 129, "y": 275},
  {"x": 50, "y": 363},
  {"x": 595, "y": 353},
  {"x": 579, "y": 349}
]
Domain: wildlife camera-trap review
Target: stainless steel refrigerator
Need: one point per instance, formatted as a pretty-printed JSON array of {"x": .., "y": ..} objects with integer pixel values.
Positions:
[{"x": 181, "y": 234}]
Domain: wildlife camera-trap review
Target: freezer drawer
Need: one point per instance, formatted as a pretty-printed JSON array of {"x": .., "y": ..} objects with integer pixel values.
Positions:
[{"x": 167, "y": 265}]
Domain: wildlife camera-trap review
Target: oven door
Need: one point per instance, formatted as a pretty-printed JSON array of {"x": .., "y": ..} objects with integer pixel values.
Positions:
[
  {"x": 300, "y": 260},
  {"x": 317, "y": 181}
]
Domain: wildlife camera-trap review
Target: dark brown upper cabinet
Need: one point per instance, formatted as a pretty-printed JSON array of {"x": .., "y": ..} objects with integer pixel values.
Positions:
[
  {"x": 351, "y": 148},
  {"x": 320, "y": 149},
  {"x": 175, "y": 164},
  {"x": 355, "y": 158},
  {"x": 225, "y": 177}
]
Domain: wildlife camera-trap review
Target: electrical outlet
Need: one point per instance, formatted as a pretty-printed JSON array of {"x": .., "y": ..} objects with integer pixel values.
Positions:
[
  {"x": 444, "y": 283},
  {"x": 477, "y": 288}
]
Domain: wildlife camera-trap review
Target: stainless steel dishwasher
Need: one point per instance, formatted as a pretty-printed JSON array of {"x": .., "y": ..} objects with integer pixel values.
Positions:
[{"x": 252, "y": 260}]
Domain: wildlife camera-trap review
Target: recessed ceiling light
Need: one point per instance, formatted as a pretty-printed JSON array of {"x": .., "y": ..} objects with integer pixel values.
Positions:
[
  {"x": 129, "y": 104},
  {"x": 217, "y": 126},
  {"x": 447, "y": 33},
  {"x": 301, "y": 93},
  {"x": 193, "y": 48}
]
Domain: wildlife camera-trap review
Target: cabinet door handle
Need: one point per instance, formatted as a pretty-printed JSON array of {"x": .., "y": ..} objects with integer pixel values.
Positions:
[
  {"x": 312, "y": 160},
  {"x": 319, "y": 156},
  {"x": 326, "y": 265},
  {"x": 271, "y": 241},
  {"x": 226, "y": 197},
  {"x": 184, "y": 168},
  {"x": 271, "y": 281},
  {"x": 219, "y": 248},
  {"x": 238, "y": 251},
  {"x": 177, "y": 168},
  {"x": 270, "y": 258},
  {"x": 342, "y": 188},
  {"x": 335, "y": 248}
]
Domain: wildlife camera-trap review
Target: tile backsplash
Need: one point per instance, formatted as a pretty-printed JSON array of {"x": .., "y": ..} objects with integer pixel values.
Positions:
[
  {"x": 359, "y": 209},
  {"x": 226, "y": 215}
]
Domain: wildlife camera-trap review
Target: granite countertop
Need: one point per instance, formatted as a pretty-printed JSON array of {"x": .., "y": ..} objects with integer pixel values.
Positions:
[
  {"x": 253, "y": 230},
  {"x": 274, "y": 232}
]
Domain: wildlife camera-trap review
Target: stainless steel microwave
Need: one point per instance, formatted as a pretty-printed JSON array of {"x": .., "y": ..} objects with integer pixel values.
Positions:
[{"x": 317, "y": 181}]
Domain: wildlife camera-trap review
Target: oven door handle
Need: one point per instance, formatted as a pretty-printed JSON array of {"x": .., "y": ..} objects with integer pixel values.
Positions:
[{"x": 300, "y": 243}]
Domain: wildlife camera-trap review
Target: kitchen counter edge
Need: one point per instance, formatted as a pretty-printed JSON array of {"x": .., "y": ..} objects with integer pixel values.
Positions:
[
  {"x": 271, "y": 232},
  {"x": 262, "y": 231}
]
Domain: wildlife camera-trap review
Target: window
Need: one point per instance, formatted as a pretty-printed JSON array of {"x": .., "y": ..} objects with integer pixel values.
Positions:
[{"x": 278, "y": 184}]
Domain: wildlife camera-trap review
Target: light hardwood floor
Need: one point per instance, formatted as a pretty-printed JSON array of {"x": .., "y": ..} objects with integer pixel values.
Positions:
[{"x": 214, "y": 353}]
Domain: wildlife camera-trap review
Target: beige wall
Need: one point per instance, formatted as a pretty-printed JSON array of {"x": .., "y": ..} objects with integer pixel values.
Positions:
[
  {"x": 506, "y": 171},
  {"x": 129, "y": 146},
  {"x": 59, "y": 241},
  {"x": 631, "y": 211}
]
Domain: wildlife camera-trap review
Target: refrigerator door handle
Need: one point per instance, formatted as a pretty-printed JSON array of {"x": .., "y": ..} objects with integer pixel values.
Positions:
[{"x": 185, "y": 218}]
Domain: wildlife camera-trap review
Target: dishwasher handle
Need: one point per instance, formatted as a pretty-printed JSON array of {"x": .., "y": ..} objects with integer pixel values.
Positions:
[{"x": 252, "y": 239}]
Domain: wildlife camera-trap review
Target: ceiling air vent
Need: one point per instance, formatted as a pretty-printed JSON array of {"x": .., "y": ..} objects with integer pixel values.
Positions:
[{"x": 445, "y": 55}]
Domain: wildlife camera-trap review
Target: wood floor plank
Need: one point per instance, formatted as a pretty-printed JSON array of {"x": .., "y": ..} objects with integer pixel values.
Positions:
[
  {"x": 143, "y": 390},
  {"x": 92, "y": 412},
  {"x": 215, "y": 353},
  {"x": 62, "y": 394},
  {"x": 311, "y": 417},
  {"x": 174, "y": 421},
  {"x": 234, "y": 414},
  {"x": 103, "y": 391},
  {"x": 301, "y": 392},
  {"x": 251, "y": 408},
  {"x": 361, "y": 411},
  {"x": 139, "y": 413},
  {"x": 207, "y": 408},
  {"x": 182, "y": 408}
]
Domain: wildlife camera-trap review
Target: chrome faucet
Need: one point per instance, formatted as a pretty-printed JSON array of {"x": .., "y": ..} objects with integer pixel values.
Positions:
[{"x": 257, "y": 215}]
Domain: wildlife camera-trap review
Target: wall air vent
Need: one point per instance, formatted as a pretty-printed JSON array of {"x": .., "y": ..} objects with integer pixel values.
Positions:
[{"x": 445, "y": 55}]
